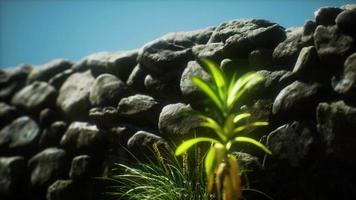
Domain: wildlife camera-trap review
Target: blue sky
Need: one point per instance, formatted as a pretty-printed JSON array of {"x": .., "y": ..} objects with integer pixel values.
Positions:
[{"x": 37, "y": 31}]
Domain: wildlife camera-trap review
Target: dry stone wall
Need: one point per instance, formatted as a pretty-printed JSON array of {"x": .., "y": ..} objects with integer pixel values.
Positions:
[{"x": 64, "y": 123}]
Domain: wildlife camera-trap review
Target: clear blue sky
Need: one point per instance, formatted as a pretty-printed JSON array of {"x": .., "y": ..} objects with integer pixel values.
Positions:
[{"x": 37, "y": 31}]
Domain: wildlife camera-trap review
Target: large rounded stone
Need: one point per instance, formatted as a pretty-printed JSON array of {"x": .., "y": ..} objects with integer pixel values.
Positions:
[
  {"x": 12, "y": 181},
  {"x": 46, "y": 167},
  {"x": 47, "y": 71},
  {"x": 7, "y": 114},
  {"x": 35, "y": 97},
  {"x": 308, "y": 66},
  {"x": 347, "y": 85},
  {"x": 140, "y": 109},
  {"x": 52, "y": 135},
  {"x": 73, "y": 99},
  {"x": 20, "y": 137},
  {"x": 326, "y": 15},
  {"x": 107, "y": 90},
  {"x": 174, "y": 121},
  {"x": 212, "y": 51},
  {"x": 346, "y": 22},
  {"x": 298, "y": 101},
  {"x": 81, "y": 168},
  {"x": 137, "y": 78},
  {"x": 82, "y": 137},
  {"x": 58, "y": 80},
  {"x": 104, "y": 118}
]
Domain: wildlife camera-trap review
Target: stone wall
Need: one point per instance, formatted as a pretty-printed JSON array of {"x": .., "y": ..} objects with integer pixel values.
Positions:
[{"x": 65, "y": 123}]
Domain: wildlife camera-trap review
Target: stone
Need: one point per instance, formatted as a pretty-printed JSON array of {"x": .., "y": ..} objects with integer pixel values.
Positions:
[
  {"x": 52, "y": 135},
  {"x": 260, "y": 58},
  {"x": 7, "y": 114},
  {"x": 58, "y": 80},
  {"x": 236, "y": 65},
  {"x": 298, "y": 101},
  {"x": 233, "y": 27},
  {"x": 172, "y": 51},
  {"x": 121, "y": 134},
  {"x": 286, "y": 52},
  {"x": 47, "y": 117},
  {"x": 349, "y": 7},
  {"x": 12, "y": 80},
  {"x": 164, "y": 86},
  {"x": 81, "y": 168},
  {"x": 174, "y": 122},
  {"x": 104, "y": 118},
  {"x": 107, "y": 90},
  {"x": 293, "y": 143},
  {"x": 326, "y": 15},
  {"x": 12, "y": 173},
  {"x": 83, "y": 138},
  {"x": 46, "y": 167},
  {"x": 143, "y": 140},
  {"x": 237, "y": 46},
  {"x": 212, "y": 51},
  {"x": 137, "y": 78},
  {"x": 20, "y": 137},
  {"x": 267, "y": 37},
  {"x": 307, "y": 66},
  {"x": 347, "y": 85},
  {"x": 332, "y": 46},
  {"x": 35, "y": 97},
  {"x": 336, "y": 124},
  {"x": 346, "y": 22},
  {"x": 73, "y": 98},
  {"x": 187, "y": 87},
  {"x": 45, "y": 72},
  {"x": 247, "y": 162},
  {"x": 62, "y": 189},
  {"x": 308, "y": 32},
  {"x": 140, "y": 109}
]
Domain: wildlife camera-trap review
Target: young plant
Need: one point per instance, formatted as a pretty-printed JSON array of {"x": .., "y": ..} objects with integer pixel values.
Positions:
[{"x": 221, "y": 167}]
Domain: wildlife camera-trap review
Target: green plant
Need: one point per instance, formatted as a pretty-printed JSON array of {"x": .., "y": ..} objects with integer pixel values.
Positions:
[
  {"x": 221, "y": 167},
  {"x": 164, "y": 178}
]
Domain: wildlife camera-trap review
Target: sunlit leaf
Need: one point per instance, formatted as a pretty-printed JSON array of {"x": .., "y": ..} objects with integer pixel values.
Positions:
[
  {"x": 252, "y": 141},
  {"x": 211, "y": 123},
  {"x": 241, "y": 116},
  {"x": 208, "y": 90},
  {"x": 189, "y": 143},
  {"x": 253, "y": 124},
  {"x": 229, "y": 125},
  {"x": 210, "y": 161}
]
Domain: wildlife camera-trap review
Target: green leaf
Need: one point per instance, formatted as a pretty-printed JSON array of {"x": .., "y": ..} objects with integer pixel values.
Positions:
[
  {"x": 211, "y": 123},
  {"x": 218, "y": 76},
  {"x": 241, "y": 116},
  {"x": 229, "y": 125},
  {"x": 208, "y": 90},
  {"x": 252, "y": 141},
  {"x": 189, "y": 143},
  {"x": 244, "y": 127},
  {"x": 210, "y": 161}
]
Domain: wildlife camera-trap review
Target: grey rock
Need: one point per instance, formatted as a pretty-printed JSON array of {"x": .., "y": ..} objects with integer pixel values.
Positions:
[
  {"x": 326, "y": 15},
  {"x": 349, "y": 7},
  {"x": 140, "y": 109},
  {"x": 233, "y": 27},
  {"x": 143, "y": 140},
  {"x": 104, "y": 118},
  {"x": 35, "y": 97},
  {"x": 46, "y": 167},
  {"x": 346, "y": 22},
  {"x": 164, "y": 86},
  {"x": 171, "y": 51},
  {"x": 47, "y": 71},
  {"x": 260, "y": 58},
  {"x": 7, "y": 114},
  {"x": 107, "y": 90},
  {"x": 333, "y": 47},
  {"x": 187, "y": 87},
  {"x": 137, "y": 78},
  {"x": 347, "y": 85},
  {"x": 247, "y": 162},
  {"x": 237, "y": 46},
  {"x": 62, "y": 189},
  {"x": 293, "y": 143},
  {"x": 12, "y": 173},
  {"x": 12, "y": 80},
  {"x": 58, "y": 80},
  {"x": 52, "y": 135},
  {"x": 236, "y": 65},
  {"x": 48, "y": 116},
  {"x": 20, "y": 137},
  {"x": 82, "y": 137},
  {"x": 307, "y": 65},
  {"x": 308, "y": 32},
  {"x": 73, "y": 98},
  {"x": 174, "y": 122},
  {"x": 212, "y": 51},
  {"x": 336, "y": 124},
  {"x": 286, "y": 53},
  {"x": 298, "y": 100},
  {"x": 120, "y": 135},
  {"x": 81, "y": 168}
]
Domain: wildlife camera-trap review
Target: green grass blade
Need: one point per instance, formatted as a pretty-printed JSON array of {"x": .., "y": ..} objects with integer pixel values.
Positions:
[
  {"x": 209, "y": 162},
  {"x": 208, "y": 90},
  {"x": 239, "y": 117},
  {"x": 253, "y": 124},
  {"x": 189, "y": 143},
  {"x": 252, "y": 141}
]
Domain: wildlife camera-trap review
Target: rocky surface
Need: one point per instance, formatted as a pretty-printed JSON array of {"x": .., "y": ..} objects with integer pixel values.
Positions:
[{"x": 64, "y": 123}]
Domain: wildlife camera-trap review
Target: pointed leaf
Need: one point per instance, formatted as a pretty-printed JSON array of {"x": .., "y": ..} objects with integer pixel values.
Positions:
[
  {"x": 241, "y": 116},
  {"x": 252, "y": 141},
  {"x": 218, "y": 76},
  {"x": 244, "y": 127},
  {"x": 208, "y": 90},
  {"x": 210, "y": 162},
  {"x": 211, "y": 123},
  {"x": 189, "y": 143}
]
